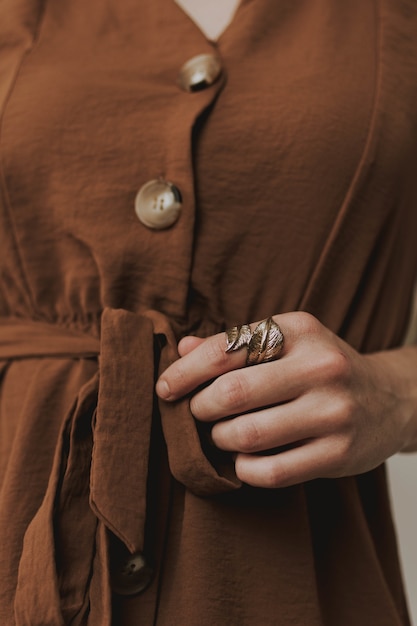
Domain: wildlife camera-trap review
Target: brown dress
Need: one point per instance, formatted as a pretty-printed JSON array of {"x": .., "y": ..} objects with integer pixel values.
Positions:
[{"x": 297, "y": 176}]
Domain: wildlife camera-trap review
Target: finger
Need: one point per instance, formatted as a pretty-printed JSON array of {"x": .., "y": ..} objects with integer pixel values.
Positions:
[
  {"x": 316, "y": 458},
  {"x": 250, "y": 388},
  {"x": 205, "y": 362},
  {"x": 269, "y": 428},
  {"x": 189, "y": 343},
  {"x": 209, "y": 360}
]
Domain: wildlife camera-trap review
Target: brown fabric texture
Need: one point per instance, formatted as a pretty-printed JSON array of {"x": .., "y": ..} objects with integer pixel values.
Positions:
[{"x": 296, "y": 172}]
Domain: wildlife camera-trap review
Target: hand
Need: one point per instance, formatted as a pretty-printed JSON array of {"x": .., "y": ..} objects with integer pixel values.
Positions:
[{"x": 321, "y": 411}]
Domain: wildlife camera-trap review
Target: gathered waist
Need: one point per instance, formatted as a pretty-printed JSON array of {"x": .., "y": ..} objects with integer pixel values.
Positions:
[{"x": 26, "y": 338}]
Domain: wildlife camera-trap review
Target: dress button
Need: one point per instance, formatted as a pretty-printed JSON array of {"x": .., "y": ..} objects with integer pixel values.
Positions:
[
  {"x": 130, "y": 575},
  {"x": 158, "y": 204},
  {"x": 199, "y": 72}
]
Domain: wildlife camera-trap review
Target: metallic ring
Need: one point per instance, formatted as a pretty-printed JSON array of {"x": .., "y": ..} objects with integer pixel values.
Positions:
[{"x": 263, "y": 344}]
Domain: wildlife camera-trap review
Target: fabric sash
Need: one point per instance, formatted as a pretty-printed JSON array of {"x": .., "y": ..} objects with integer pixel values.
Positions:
[{"x": 99, "y": 475}]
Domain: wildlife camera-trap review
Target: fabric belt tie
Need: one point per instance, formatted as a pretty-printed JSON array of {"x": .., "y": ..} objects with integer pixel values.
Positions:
[{"x": 99, "y": 475}]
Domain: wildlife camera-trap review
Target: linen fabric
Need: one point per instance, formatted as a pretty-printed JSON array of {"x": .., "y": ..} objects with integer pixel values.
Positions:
[{"x": 296, "y": 171}]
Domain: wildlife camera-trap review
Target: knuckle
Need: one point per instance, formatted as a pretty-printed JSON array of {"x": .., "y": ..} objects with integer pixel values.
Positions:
[
  {"x": 333, "y": 365},
  {"x": 233, "y": 392},
  {"x": 342, "y": 411},
  {"x": 339, "y": 365},
  {"x": 343, "y": 454},
  {"x": 247, "y": 435},
  {"x": 277, "y": 475},
  {"x": 305, "y": 323}
]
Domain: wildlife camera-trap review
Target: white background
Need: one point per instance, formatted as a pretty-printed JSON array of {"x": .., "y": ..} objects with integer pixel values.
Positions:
[{"x": 402, "y": 470}]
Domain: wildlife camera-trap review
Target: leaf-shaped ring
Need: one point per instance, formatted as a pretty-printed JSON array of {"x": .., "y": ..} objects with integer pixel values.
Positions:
[{"x": 263, "y": 344}]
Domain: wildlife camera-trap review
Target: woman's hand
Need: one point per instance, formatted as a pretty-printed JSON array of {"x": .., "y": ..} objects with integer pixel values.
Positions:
[{"x": 321, "y": 411}]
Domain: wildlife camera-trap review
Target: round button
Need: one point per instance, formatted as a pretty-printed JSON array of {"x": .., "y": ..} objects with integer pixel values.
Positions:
[
  {"x": 131, "y": 575},
  {"x": 158, "y": 204},
  {"x": 199, "y": 72}
]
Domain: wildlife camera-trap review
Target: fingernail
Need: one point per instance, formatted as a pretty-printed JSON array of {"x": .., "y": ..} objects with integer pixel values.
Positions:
[{"x": 162, "y": 389}]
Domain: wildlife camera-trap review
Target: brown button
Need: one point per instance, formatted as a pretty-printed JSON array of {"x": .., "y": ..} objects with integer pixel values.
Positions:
[
  {"x": 130, "y": 574},
  {"x": 158, "y": 204},
  {"x": 199, "y": 72}
]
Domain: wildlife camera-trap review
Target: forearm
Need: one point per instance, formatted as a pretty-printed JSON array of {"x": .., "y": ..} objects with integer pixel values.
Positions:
[{"x": 398, "y": 371}]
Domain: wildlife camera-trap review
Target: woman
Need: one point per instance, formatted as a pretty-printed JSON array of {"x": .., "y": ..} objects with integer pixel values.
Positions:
[{"x": 157, "y": 185}]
